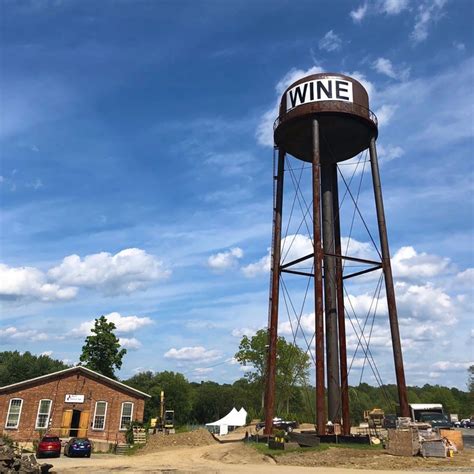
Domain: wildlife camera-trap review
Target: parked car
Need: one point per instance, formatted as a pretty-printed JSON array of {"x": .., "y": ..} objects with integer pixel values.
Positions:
[
  {"x": 466, "y": 423},
  {"x": 78, "y": 447},
  {"x": 280, "y": 424},
  {"x": 49, "y": 446},
  {"x": 436, "y": 420}
]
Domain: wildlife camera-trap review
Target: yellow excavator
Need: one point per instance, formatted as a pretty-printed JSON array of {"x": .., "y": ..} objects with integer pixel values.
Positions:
[{"x": 165, "y": 422}]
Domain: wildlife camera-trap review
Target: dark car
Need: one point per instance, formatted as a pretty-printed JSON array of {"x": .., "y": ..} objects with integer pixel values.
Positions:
[
  {"x": 49, "y": 446},
  {"x": 78, "y": 447},
  {"x": 280, "y": 424},
  {"x": 436, "y": 420}
]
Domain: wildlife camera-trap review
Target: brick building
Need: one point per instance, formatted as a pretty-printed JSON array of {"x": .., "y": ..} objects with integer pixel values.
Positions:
[{"x": 72, "y": 402}]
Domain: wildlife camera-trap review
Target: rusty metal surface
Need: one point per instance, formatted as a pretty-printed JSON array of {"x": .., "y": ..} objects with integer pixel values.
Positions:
[
  {"x": 346, "y": 420},
  {"x": 353, "y": 120},
  {"x": 389, "y": 287},
  {"x": 275, "y": 291},
  {"x": 330, "y": 297},
  {"x": 318, "y": 282}
]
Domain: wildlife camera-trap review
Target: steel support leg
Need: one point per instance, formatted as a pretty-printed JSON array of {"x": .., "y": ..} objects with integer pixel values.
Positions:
[
  {"x": 346, "y": 421},
  {"x": 389, "y": 287},
  {"x": 275, "y": 292},
  {"x": 318, "y": 283},
  {"x": 330, "y": 295}
]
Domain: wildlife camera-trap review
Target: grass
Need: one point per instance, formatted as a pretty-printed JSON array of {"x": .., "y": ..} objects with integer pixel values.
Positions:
[{"x": 264, "y": 449}]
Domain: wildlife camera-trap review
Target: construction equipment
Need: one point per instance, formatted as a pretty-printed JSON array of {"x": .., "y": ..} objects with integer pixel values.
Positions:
[
  {"x": 374, "y": 419},
  {"x": 165, "y": 421},
  {"x": 168, "y": 421}
]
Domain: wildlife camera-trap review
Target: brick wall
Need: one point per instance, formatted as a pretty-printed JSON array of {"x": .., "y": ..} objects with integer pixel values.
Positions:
[{"x": 55, "y": 389}]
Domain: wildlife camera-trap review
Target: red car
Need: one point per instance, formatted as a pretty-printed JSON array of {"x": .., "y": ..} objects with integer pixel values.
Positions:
[{"x": 49, "y": 446}]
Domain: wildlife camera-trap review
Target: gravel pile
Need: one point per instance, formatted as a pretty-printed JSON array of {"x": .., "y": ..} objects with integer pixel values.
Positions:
[
  {"x": 11, "y": 461},
  {"x": 159, "y": 441}
]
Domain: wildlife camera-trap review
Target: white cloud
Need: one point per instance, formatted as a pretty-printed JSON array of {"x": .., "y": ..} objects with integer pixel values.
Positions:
[
  {"x": 130, "y": 343},
  {"x": 358, "y": 14},
  {"x": 46, "y": 353},
  {"x": 36, "y": 184},
  {"x": 13, "y": 335},
  {"x": 123, "y": 324},
  {"x": 287, "y": 328},
  {"x": 389, "y": 152},
  {"x": 225, "y": 260},
  {"x": 239, "y": 332},
  {"x": 385, "y": 66},
  {"x": 466, "y": 278},
  {"x": 429, "y": 12},
  {"x": 385, "y": 113},
  {"x": 203, "y": 370},
  {"x": 425, "y": 302},
  {"x": 446, "y": 366},
  {"x": 330, "y": 42},
  {"x": 393, "y": 7},
  {"x": 193, "y": 354},
  {"x": 260, "y": 267},
  {"x": 408, "y": 263},
  {"x": 292, "y": 247},
  {"x": 230, "y": 164},
  {"x": 125, "y": 272},
  {"x": 31, "y": 283},
  {"x": 459, "y": 46},
  {"x": 264, "y": 133}
]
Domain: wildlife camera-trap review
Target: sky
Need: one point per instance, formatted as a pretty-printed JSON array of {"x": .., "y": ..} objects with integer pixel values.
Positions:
[{"x": 136, "y": 177}]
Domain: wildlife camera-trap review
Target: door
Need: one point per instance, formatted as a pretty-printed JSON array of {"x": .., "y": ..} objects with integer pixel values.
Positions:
[
  {"x": 66, "y": 423},
  {"x": 83, "y": 424}
]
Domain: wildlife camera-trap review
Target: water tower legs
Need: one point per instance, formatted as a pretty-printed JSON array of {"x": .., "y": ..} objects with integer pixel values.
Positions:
[
  {"x": 346, "y": 421},
  {"x": 275, "y": 290},
  {"x": 389, "y": 288},
  {"x": 328, "y": 172},
  {"x": 318, "y": 281}
]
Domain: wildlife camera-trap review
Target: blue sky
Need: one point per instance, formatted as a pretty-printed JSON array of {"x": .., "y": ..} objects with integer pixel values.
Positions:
[{"x": 136, "y": 174}]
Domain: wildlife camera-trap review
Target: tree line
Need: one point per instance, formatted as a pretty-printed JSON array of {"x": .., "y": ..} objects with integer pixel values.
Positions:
[
  {"x": 206, "y": 401},
  {"x": 200, "y": 403}
]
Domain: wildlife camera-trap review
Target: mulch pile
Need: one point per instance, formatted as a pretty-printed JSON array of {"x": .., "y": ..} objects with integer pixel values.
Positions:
[
  {"x": 11, "y": 461},
  {"x": 160, "y": 441}
]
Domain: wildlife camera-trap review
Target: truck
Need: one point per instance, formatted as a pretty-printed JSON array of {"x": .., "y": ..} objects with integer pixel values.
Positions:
[{"x": 431, "y": 413}]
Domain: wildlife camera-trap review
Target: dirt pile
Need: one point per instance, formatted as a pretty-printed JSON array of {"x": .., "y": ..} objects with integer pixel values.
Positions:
[
  {"x": 373, "y": 459},
  {"x": 161, "y": 441},
  {"x": 12, "y": 461}
]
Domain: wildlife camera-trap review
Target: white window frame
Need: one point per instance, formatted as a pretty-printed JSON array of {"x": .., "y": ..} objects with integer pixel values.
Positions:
[
  {"x": 121, "y": 415},
  {"x": 8, "y": 414},
  {"x": 105, "y": 415},
  {"x": 38, "y": 414}
]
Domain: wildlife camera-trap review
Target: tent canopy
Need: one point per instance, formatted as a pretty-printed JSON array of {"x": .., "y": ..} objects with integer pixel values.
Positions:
[{"x": 233, "y": 418}]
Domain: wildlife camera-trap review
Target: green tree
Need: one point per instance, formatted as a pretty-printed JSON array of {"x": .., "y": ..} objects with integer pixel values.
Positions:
[
  {"x": 16, "y": 367},
  {"x": 291, "y": 371},
  {"x": 101, "y": 351},
  {"x": 177, "y": 391}
]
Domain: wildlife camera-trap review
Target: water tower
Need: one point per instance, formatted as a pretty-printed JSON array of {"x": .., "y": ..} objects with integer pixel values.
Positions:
[{"x": 324, "y": 119}]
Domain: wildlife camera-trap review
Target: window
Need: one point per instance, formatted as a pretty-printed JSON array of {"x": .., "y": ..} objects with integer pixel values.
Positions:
[
  {"x": 126, "y": 416},
  {"x": 44, "y": 409},
  {"x": 99, "y": 415},
  {"x": 14, "y": 412}
]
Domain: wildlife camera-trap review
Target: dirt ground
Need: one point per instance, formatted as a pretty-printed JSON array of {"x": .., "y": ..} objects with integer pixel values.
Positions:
[{"x": 199, "y": 453}]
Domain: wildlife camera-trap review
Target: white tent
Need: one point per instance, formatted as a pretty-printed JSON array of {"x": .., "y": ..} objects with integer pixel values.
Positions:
[{"x": 233, "y": 419}]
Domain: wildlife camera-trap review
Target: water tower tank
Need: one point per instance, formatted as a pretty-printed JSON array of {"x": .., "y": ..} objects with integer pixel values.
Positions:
[{"x": 341, "y": 105}]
